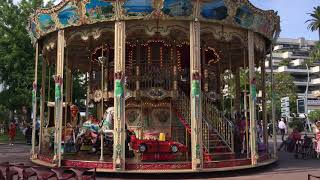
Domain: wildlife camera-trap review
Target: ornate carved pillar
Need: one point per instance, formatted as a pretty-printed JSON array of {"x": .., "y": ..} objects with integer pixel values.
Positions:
[
  {"x": 252, "y": 99},
  {"x": 34, "y": 102},
  {"x": 273, "y": 106},
  {"x": 195, "y": 96},
  {"x": 59, "y": 97},
  {"x": 42, "y": 98},
  {"x": 264, "y": 105},
  {"x": 119, "y": 99}
]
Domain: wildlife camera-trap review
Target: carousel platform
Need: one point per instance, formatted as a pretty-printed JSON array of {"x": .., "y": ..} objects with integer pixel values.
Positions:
[{"x": 162, "y": 167}]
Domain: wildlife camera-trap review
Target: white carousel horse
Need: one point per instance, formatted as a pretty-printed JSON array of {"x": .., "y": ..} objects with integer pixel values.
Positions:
[{"x": 108, "y": 122}]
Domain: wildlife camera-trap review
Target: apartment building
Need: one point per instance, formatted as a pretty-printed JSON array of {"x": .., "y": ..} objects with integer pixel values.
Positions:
[{"x": 289, "y": 56}]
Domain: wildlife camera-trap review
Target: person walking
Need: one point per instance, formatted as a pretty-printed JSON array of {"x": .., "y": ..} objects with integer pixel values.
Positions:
[
  {"x": 282, "y": 126},
  {"x": 12, "y": 133}
]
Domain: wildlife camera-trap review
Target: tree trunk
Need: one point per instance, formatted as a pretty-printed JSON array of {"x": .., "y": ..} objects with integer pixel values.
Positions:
[{"x": 319, "y": 33}]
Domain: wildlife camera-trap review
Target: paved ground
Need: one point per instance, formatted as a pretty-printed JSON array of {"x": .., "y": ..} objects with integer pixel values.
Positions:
[{"x": 287, "y": 168}]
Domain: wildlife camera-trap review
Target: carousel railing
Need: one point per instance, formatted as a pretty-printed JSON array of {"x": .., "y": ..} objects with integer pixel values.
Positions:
[
  {"x": 182, "y": 105},
  {"x": 222, "y": 125},
  {"x": 151, "y": 75}
]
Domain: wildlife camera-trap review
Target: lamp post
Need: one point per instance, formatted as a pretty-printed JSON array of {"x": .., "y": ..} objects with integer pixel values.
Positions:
[{"x": 306, "y": 99}]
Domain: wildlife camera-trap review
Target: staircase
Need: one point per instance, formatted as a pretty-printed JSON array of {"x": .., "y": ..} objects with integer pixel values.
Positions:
[{"x": 217, "y": 132}]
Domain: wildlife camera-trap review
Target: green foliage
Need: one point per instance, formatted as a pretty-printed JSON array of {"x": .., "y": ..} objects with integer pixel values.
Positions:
[
  {"x": 314, "y": 115},
  {"x": 297, "y": 124},
  {"x": 314, "y": 22},
  {"x": 16, "y": 54},
  {"x": 285, "y": 62},
  {"x": 315, "y": 53},
  {"x": 283, "y": 87}
]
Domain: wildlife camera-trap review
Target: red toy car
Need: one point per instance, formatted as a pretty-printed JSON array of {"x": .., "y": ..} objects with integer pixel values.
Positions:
[{"x": 157, "y": 150}]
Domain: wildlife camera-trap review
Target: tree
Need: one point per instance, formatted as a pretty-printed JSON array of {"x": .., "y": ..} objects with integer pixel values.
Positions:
[
  {"x": 314, "y": 115},
  {"x": 285, "y": 62},
  {"x": 314, "y": 23},
  {"x": 315, "y": 53},
  {"x": 283, "y": 87},
  {"x": 16, "y": 54}
]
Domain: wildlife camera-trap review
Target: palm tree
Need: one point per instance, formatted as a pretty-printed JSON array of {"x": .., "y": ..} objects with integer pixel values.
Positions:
[{"x": 315, "y": 21}]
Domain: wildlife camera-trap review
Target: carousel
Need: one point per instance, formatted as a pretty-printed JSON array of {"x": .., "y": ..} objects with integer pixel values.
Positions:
[{"x": 164, "y": 85}]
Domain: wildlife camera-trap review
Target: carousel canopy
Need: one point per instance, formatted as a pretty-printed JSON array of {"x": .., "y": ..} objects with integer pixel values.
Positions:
[{"x": 233, "y": 13}]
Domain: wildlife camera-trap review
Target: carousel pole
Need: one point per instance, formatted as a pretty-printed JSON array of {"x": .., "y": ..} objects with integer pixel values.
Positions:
[
  {"x": 245, "y": 105},
  {"x": 252, "y": 99},
  {"x": 43, "y": 98},
  {"x": 59, "y": 97},
  {"x": 87, "y": 98},
  {"x": 119, "y": 99},
  {"x": 264, "y": 105},
  {"x": 273, "y": 107},
  {"x": 34, "y": 103},
  {"x": 101, "y": 60},
  {"x": 195, "y": 96}
]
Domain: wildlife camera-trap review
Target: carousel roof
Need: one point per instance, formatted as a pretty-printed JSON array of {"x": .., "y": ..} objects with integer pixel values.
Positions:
[{"x": 74, "y": 13}]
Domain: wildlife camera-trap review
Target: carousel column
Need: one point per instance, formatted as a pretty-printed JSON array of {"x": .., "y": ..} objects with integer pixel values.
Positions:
[
  {"x": 59, "y": 97},
  {"x": 273, "y": 106},
  {"x": 264, "y": 105},
  {"x": 252, "y": 99},
  {"x": 195, "y": 99},
  {"x": 119, "y": 99},
  {"x": 34, "y": 103},
  {"x": 42, "y": 99}
]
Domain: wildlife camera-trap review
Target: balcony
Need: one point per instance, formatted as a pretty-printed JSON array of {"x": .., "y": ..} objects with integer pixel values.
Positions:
[
  {"x": 315, "y": 81},
  {"x": 295, "y": 70}
]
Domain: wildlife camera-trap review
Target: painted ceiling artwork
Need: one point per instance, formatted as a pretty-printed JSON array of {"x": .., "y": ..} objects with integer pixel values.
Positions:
[
  {"x": 69, "y": 15},
  {"x": 80, "y": 12},
  {"x": 177, "y": 7},
  {"x": 99, "y": 9},
  {"x": 216, "y": 10},
  {"x": 138, "y": 7}
]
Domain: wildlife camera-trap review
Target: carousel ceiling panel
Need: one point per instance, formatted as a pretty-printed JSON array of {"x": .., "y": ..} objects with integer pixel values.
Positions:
[{"x": 232, "y": 13}]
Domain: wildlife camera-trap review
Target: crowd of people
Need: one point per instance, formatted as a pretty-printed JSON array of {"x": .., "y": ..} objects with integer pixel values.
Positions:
[{"x": 295, "y": 138}]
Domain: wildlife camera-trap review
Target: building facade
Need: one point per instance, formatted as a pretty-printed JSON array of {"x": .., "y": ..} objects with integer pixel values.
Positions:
[{"x": 289, "y": 56}]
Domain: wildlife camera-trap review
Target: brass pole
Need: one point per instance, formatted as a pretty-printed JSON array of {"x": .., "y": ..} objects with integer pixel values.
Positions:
[{"x": 34, "y": 102}]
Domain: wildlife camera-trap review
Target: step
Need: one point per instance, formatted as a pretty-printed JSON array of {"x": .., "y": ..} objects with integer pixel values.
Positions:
[
  {"x": 222, "y": 156},
  {"x": 219, "y": 149}
]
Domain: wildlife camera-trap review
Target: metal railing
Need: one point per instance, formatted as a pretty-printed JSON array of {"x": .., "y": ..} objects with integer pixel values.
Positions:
[
  {"x": 205, "y": 134},
  {"x": 222, "y": 125},
  {"x": 182, "y": 105}
]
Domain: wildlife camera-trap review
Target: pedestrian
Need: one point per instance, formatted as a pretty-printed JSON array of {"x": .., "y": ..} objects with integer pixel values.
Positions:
[
  {"x": 12, "y": 133},
  {"x": 282, "y": 126},
  {"x": 270, "y": 129},
  {"x": 291, "y": 141}
]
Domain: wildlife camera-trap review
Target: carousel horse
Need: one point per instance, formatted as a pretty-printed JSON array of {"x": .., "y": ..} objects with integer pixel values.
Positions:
[{"x": 88, "y": 136}]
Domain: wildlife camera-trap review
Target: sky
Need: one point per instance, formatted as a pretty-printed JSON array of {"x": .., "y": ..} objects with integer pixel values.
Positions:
[{"x": 293, "y": 14}]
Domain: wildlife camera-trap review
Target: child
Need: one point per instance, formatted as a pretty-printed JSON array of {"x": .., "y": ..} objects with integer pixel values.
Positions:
[{"x": 12, "y": 133}]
